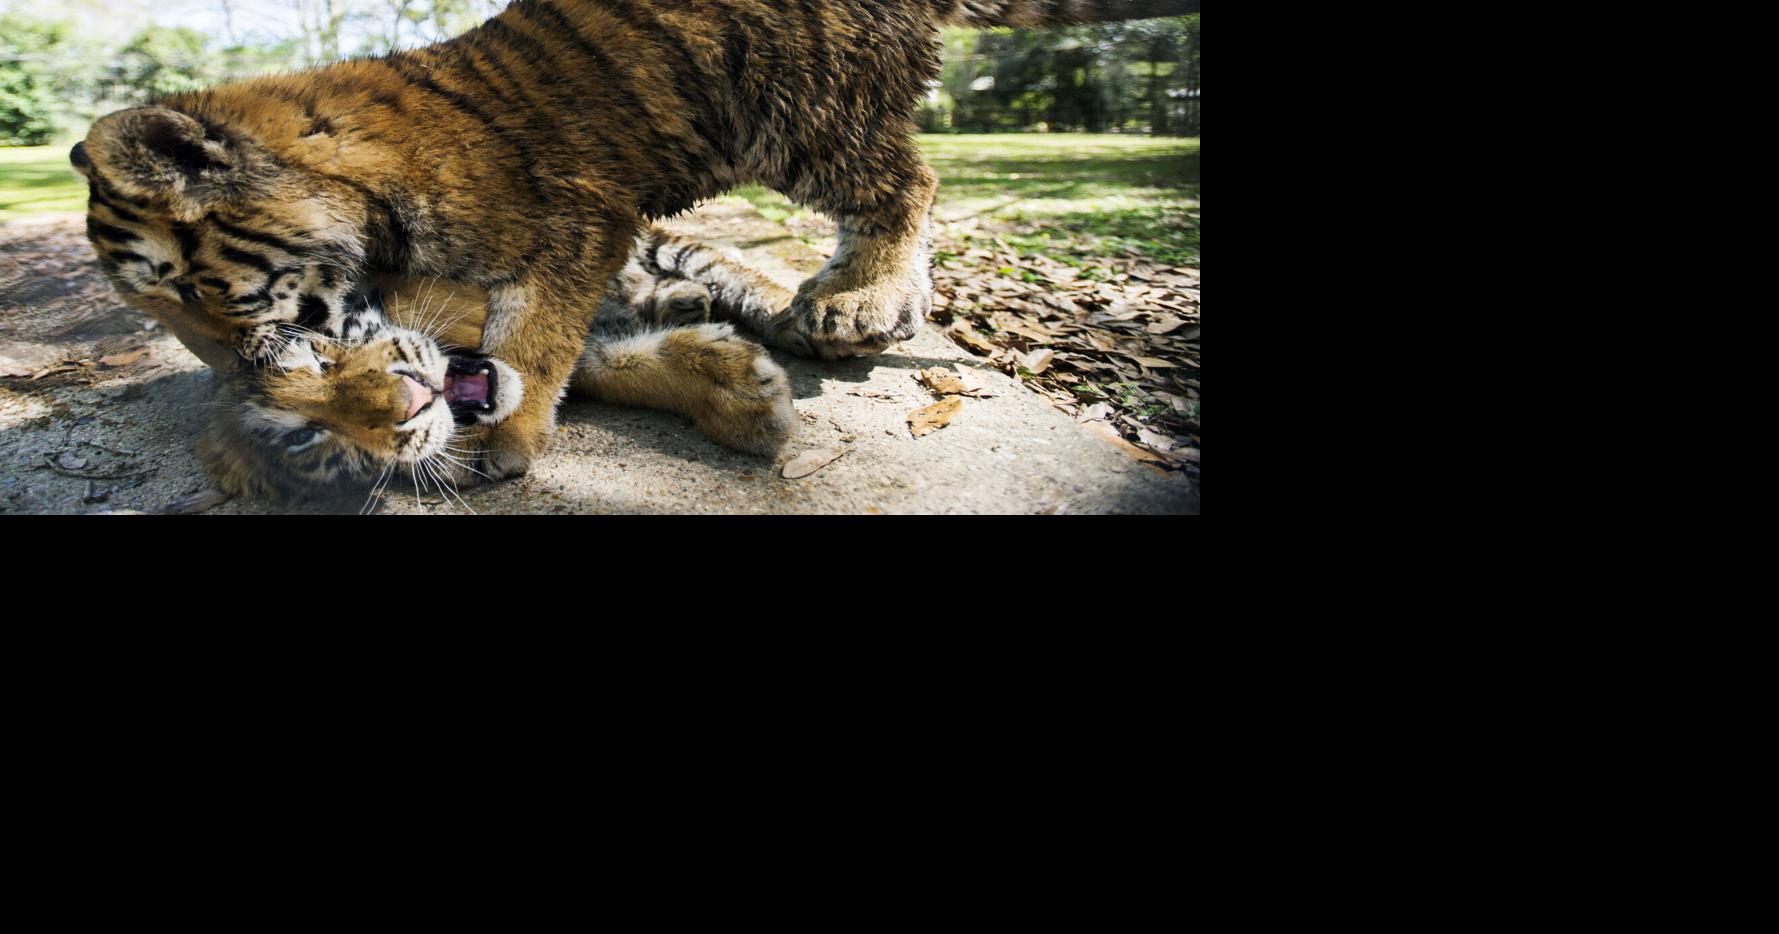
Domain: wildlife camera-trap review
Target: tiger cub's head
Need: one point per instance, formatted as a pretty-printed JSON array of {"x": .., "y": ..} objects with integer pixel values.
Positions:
[
  {"x": 329, "y": 414},
  {"x": 211, "y": 233}
]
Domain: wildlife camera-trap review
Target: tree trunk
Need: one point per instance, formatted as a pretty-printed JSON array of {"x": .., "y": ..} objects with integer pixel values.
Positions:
[{"x": 1157, "y": 112}]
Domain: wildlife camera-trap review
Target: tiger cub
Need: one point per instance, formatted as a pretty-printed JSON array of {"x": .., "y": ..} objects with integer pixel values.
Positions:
[
  {"x": 525, "y": 154},
  {"x": 393, "y": 396}
]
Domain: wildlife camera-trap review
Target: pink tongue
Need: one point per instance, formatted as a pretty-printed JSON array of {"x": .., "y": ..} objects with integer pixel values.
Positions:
[
  {"x": 418, "y": 396},
  {"x": 466, "y": 389}
]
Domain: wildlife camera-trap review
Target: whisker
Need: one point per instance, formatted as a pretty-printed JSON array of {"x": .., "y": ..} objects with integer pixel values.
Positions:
[
  {"x": 375, "y": 488},
  {"x": 452, "y": 491},
  {"x": 463, "y": 465}
]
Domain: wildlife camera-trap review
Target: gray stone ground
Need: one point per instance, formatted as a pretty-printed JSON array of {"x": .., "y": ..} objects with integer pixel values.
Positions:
[{"x": 103, "y": 438}]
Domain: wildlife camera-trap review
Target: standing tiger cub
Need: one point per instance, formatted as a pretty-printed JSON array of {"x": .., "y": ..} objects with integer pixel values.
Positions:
[{"x": 524, "y": 155}]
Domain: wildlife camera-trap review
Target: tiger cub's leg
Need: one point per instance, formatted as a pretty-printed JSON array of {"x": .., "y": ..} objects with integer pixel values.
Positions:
[
  {"x": 539, "y": 326},
  {"x": 732, "y": 290},
  {"x": 877, "y": 287},
  {"x": 731, "y": 389}
]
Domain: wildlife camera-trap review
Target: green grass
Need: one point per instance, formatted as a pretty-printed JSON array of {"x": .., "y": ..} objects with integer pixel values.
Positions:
[
  {"x": 1071, "y": 196},
  {"x": 36, "y": 179}
]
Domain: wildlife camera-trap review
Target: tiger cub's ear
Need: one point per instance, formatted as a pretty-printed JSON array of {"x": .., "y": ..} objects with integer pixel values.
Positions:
[{"x": 163, "y": 155}]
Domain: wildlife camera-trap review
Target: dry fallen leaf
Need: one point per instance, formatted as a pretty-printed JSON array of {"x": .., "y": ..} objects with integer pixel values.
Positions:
[
  {"x": 934, "y": 417},
  {"x": 1154, "y": 363},
  {"x": 1161, "y": 443},
  {"x": 966, "y": 381},
  {"x": 940, "y": 381},
  {"x": 1111, "y": 435},
  {"x": 1038, "y": 360},
  {"x": 1097, "y": 412},
  {"x": 811, "y": 461},
  {"x": 1180, "y": 404},
  {"x": 975, "y": 384},
  {"x": 967, "y": 336},
  {"x": 123, "y": 359}
]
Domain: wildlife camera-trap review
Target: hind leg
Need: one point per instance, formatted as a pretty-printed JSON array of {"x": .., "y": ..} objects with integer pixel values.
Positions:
[{"x": 877, "y": 287}]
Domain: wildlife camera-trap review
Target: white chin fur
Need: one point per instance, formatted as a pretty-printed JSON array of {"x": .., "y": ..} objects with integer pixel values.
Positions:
[{"x": 510, "y": 392}]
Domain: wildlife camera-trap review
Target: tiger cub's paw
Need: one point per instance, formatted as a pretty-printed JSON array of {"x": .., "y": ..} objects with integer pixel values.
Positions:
[
  {"x": 836, "y": 323},
  {"x": 489, "y": 453},
  {"x": 747, "y": 405}
]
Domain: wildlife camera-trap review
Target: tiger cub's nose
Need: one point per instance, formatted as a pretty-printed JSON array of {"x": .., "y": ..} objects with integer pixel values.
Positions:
[{"x": 419, "y": 395}]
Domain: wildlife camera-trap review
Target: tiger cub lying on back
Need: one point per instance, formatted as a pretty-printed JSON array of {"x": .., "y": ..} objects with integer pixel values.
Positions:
[{"x": 393, "y": 392}]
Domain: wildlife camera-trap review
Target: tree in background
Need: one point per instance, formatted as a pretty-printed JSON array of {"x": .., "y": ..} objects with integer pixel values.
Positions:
[
  {"x": 50, "y": 81},
  {"x": 1119, "y": 77},
  {"x": 43, "y": 70},
  {"x": 165, "y": 61},
  {"x": 407, "y": 23},
  {"x": 1109, "y": 76}
]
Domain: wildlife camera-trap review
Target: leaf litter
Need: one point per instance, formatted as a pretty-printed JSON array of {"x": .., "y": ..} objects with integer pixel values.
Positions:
[{"x": 1111, "y": 340}]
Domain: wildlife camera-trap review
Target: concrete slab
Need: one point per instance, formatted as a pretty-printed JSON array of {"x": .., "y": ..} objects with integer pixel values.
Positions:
[{"x": 104, "y": 438}]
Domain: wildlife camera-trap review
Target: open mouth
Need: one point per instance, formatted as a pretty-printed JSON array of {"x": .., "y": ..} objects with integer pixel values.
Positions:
[{"x": 471, "y": 387}]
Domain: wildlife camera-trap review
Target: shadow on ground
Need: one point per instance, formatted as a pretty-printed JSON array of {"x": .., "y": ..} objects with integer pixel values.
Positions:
[{"x": 117, "y": 436}]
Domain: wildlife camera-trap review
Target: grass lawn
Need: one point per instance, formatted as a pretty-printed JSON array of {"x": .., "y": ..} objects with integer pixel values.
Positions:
[
  {"x": 35, "y": 179},
  {"x": 1062, "y": 194}
]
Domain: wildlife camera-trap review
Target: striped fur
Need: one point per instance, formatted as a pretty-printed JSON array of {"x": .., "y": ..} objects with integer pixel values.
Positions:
[
  {"x": 523, "y": 156},
  {"x": 327, "y": 414}
]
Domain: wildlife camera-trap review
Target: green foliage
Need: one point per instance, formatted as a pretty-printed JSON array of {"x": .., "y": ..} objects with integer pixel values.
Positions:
[
  {"x": 163, "y": 61},
  {"x": 54, "y": 82},
  {"x": 1114, "y": 77},
  {"x": 39, "y": 75}
]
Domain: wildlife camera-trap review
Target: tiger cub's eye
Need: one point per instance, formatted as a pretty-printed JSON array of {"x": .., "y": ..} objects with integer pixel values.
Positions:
[{"x": 300, "y": 437}]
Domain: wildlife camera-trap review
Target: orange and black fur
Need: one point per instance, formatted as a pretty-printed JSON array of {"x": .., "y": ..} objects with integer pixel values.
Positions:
[
  {"x": 325, "y": 415},
  {"x": 524, "y": 155}
]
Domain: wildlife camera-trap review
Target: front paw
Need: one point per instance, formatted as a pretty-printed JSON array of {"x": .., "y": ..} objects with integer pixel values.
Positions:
[
  {"x": 510, "y": 450},
  {"x": 487, "y": 454},
  {"x": 835, "y": 325}
]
